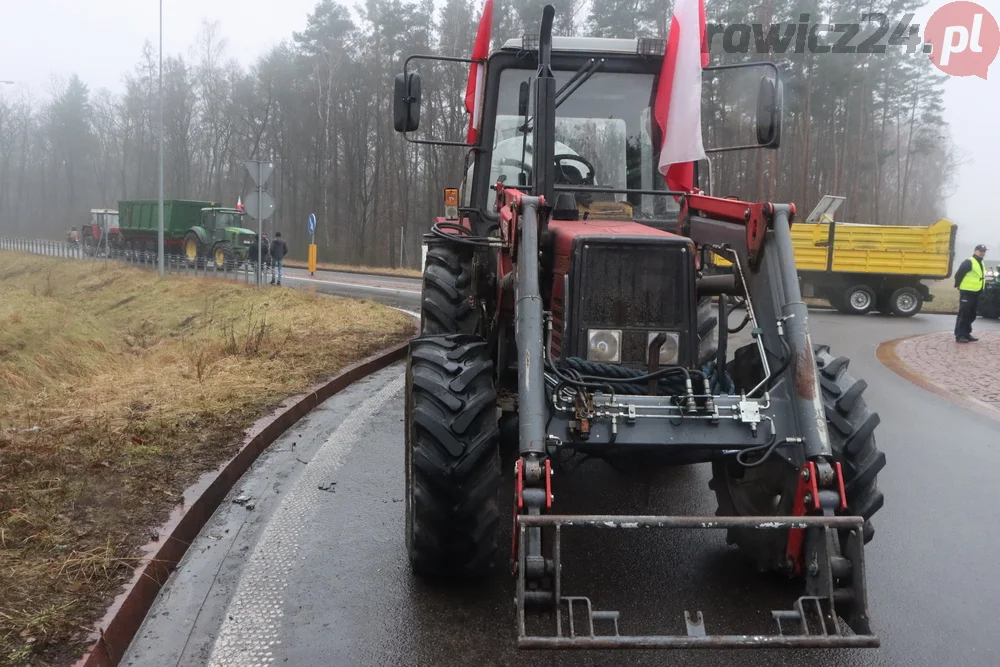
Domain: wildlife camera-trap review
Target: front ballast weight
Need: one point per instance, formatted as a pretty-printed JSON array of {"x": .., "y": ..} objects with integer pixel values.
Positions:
[{"x": 812, "y": 622}]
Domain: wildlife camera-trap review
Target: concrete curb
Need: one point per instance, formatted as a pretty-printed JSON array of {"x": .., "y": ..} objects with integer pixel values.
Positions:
[
  {"x": 126, "y": 614},
  {"x": 886, "y": 353}
]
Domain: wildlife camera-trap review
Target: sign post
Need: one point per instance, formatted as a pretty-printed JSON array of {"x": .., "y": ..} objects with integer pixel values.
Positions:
[
  {"x": 311, "y": 225},
  {"x": 260, "y": 204}
]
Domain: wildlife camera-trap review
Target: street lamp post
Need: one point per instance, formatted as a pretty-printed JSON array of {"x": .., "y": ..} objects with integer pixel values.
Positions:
[{"x": 159, "y": 222}]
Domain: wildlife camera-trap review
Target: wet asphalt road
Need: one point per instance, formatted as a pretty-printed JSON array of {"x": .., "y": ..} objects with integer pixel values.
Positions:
[
  {"x": 392, "y": 290},
  {"x": 320, "y": 577}
]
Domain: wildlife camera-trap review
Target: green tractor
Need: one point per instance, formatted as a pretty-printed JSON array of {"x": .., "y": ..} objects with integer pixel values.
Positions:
[
  {"x": 220, "y": 236},
  {"x": 201, "y": 230}
]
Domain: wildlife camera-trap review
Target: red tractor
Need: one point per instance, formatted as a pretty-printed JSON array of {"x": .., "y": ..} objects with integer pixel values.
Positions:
[{"x": 565, "y": 309}]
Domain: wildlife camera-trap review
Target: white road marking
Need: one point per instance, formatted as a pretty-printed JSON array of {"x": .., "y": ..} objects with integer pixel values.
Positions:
[
  {"x": 371, "y": 288},
  {"x": 252, "y": 626}
]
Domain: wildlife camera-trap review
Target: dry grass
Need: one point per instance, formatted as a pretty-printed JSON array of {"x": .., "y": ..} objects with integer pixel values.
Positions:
[
  {"x": 945, "y": 297},
  {"x": 372, "y": 270},
  {"x": 116, "y": 391}
]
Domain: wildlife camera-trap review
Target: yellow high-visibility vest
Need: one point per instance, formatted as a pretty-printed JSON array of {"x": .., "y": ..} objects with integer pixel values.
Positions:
[{"x": 975, "y": 279}]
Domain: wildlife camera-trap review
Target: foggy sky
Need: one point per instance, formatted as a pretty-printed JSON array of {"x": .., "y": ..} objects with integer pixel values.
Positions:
[{"x": 102, "y": 39}]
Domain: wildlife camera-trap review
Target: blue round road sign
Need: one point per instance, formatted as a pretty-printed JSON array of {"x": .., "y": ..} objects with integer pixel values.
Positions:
[{"x": 312, "y": 223}]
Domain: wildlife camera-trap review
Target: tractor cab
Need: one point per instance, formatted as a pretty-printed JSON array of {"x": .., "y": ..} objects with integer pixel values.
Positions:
[{"x": 226, "y": 226}]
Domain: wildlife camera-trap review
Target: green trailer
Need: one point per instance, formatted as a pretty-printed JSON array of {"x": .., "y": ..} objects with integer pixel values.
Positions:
[{"x": 198, "y": 229}]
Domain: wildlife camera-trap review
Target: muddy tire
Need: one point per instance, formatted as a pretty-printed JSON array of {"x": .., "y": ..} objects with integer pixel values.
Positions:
[
  {"x": 769, "y": 489},
  {"x": 452, "y": 458},
  {"x": 445, "y": 304}
]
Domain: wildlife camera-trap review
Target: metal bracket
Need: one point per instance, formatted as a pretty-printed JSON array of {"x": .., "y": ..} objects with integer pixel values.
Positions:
[{"x": 749, "y": 411}]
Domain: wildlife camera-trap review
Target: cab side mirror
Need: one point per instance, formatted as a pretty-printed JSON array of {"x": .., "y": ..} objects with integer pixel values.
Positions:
[
  {"x": 769, "y": 103},
  {"x": 406, "y": 102}
]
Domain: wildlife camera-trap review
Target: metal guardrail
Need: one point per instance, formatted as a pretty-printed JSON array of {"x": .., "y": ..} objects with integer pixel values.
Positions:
[{"x": 236, "y": 270}]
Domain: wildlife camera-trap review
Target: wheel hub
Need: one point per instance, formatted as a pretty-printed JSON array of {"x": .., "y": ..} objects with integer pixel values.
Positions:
[
  {"x": 906, "y": 303},
  {"x": 861, "y": 300}
]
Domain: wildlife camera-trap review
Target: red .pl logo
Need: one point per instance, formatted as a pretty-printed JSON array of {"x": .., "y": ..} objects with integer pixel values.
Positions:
[{"x": 965, "y": 39}]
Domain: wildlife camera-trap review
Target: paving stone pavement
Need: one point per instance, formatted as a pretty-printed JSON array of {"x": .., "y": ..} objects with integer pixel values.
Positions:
[{"x": 971, "y": 370}]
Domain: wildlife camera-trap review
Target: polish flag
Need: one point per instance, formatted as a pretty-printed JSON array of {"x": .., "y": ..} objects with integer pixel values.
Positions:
[
  {"x": 477, "y": 73},
  {"x": 678, "y": 99},
  {"x": 239, "y": 203}
]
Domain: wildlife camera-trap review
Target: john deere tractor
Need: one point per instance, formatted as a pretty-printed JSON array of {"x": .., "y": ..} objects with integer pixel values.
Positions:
[{"x": 565, "y": 311}]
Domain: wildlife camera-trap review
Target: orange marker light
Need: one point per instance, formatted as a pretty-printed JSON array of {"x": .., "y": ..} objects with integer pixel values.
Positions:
[{"x": 451, "y": 203}]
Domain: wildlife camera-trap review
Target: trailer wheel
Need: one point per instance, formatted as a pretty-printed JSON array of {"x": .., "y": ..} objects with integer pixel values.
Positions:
[
  {"x": 859, "y": 299},
  {"x": 906, "y": 302},
  {"x": 452, "y": 457},
  {"x": 768, "y": 490},
  {"x": 445, "y": 306}
]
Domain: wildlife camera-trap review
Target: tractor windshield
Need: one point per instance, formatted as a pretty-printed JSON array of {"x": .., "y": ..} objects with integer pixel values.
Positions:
[
  {"x": 225, "y": 219},
  {"x": 603, "y": 140}
]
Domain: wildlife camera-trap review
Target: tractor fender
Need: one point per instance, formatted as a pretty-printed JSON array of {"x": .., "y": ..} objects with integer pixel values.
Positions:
[{"x": 200, "y": 233}]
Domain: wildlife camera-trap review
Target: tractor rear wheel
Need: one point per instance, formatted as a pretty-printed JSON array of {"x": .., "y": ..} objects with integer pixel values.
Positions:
[
  {"x": 452, "y": 457},
  {"x": 192, "y": 248},
  {"x": 769, "y": 489},
  {"x": 445, "y": 303}
]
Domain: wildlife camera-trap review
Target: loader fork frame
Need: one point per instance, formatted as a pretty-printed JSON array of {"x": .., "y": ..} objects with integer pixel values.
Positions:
[{"x": 810, "y": 623}]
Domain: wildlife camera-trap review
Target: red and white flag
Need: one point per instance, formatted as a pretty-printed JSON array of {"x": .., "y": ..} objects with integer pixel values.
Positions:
[
  {"x": 239, "y": 203},
  {"x": 678, "y": 99},
  {"x": 477, "y": 73}
]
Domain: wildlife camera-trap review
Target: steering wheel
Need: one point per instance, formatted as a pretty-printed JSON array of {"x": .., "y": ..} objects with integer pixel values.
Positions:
[
  {"x": 569, "y": 176},
  {"x": 573, "y": 176}
]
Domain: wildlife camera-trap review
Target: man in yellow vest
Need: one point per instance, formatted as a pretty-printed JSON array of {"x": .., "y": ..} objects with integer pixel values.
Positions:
[{"x": 970, "y": 280}]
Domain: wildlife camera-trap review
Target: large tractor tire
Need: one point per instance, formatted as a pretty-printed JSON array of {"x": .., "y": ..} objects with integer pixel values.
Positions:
[
  {"x": 445, "y": 305},
  {"x": 768, "y": 490},
  {"x": 224, "y": 256},
  {"x": 989, "y": 302},
  {"x": 192, "y": 249},
  {"x": 452, "y": 457}
]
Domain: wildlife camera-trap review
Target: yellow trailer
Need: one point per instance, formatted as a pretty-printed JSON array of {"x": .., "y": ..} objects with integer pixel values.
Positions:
[{"x": 861, "y": 268}]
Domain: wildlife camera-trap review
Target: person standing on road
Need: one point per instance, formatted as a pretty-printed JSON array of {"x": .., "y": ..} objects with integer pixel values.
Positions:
[
  {"x": 278, "y": 251},
  {"x": 970, "y": 280}
]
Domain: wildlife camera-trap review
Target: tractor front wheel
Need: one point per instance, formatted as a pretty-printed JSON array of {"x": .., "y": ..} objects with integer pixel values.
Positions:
[
  {"x": 769, "y": 489},
  {"x": 225, "y": 256},
  {"x": 452, "y": 457}
]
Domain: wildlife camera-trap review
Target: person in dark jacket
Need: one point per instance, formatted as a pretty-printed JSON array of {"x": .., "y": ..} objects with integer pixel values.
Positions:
[
  {"x": 278, "y": 251},
  {"x": 969, "y": 280}
]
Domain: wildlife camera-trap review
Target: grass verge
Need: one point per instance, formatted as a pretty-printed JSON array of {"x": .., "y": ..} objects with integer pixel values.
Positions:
[{"x": 116, "y": 391}]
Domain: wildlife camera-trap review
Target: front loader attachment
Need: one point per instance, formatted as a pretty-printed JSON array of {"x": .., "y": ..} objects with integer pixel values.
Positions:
[{"x": 835, "y": 586}]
